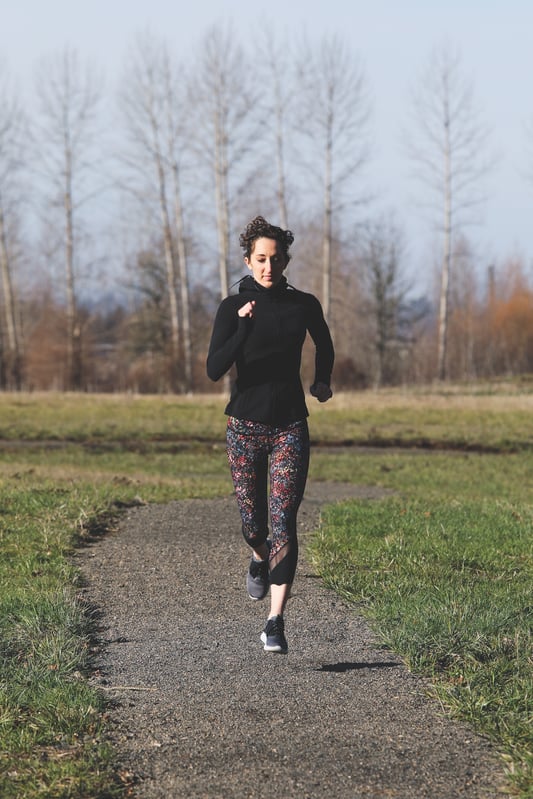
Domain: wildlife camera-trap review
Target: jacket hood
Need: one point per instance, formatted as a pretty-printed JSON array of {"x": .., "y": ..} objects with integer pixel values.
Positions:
[{"x": 249, "y": 284}]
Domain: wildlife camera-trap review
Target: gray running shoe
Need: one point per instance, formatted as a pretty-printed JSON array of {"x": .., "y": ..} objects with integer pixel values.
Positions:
[
  {"x": 258, "y": 579},
  {"x": 273, "y": 636}
]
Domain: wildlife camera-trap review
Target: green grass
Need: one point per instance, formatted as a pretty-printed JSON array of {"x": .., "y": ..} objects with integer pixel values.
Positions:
[
  {"x": 444, "y": 571},
  {"x": 52, "y": 723},
  {"x": 50, "y": 720},
  {"x": 94, "y": 419},
  {"x": 495, "y": 418},
  {"x": 442, "y": 568}
]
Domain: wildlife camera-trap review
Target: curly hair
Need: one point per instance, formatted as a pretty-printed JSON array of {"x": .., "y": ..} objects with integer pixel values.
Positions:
[{"x": 259, "y": 228}]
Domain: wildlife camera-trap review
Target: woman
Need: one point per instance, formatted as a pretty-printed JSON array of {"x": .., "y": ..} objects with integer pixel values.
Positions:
[{"x": 262, "y": 330}]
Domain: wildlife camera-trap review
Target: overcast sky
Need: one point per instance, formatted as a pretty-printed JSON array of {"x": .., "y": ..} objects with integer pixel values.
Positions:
[{"x": 394, "y": 41}]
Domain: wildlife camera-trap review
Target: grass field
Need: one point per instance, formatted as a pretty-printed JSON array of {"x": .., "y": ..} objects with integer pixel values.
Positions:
[
  {"x": 442, "y": 568},
  {"x": 498, "y": 419}
]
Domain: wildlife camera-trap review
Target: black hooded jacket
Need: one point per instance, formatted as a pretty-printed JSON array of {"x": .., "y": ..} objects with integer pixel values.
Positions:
[{"x": 267, "y": 351}]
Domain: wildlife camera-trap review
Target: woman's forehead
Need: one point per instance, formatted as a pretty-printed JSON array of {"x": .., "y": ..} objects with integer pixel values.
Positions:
[{"x": 265, "y": 246}]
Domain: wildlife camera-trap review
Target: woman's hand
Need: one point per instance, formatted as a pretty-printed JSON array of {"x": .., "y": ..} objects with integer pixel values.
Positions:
[
  {"x": 321, "y": 391},
  {"x": 247, "y": 310}
]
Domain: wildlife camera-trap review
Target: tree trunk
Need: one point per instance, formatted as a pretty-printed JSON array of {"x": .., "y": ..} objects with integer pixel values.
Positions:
[
  {"x": 171, "y": 278},
  {"x": 184, "y": 284},
  {"x": 74, "y": 370},
  {"x": 281, "y": 192},
  {"x": 12, "y": 359},
  {"x": 447, "y": 253},
  {"x": 222, "y": 203},
  {"x": 326, "y": 241},
  {"x": 221, "y": 192}
]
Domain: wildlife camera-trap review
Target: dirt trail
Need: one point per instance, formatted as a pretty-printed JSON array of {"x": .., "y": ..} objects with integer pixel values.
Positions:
[{"x": 202, "y": 711}]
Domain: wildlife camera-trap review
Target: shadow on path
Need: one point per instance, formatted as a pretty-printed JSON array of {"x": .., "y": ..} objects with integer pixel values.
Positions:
[{"x": 342, "y": 667}]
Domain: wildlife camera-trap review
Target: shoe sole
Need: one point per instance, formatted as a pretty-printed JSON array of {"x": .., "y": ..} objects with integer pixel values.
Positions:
[
  {"x": 277, "y": 648},
  {"x": 257, "y": 598}
]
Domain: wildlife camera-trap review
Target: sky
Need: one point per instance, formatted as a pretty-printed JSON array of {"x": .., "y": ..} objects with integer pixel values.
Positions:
[{"x": 393, "y": 40}]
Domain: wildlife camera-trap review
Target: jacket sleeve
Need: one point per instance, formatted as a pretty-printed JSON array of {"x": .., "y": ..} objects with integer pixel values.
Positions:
[
  {"x": 319, "y": 332},
  {"x": 229, "y": 333}
]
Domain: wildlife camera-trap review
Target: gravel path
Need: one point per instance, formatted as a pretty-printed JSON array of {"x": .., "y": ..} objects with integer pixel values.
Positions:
[{"x": 202, "y": 711}]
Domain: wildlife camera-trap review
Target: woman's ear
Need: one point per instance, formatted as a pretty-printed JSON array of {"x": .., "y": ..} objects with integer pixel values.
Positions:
[{"x": 247, "y": 262}]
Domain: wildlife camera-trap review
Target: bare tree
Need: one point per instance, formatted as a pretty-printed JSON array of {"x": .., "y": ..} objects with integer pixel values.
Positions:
[
  {"x": 69, "y": 96},
  {"x": 153, "y": 104},
  {"x": 278, "y": 74},
  {"x": 223, "y": 101},
  {"x": 177, "y": 135},
  {"x": 12, "y": 130},
  {"x": 335, "y": 111},
  {"x": 449, "y": 148},
  {"x": 391, "y": 314}
]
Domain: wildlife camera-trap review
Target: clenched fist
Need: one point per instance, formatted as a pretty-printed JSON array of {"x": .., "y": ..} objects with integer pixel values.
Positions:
[
  {"x": 247, "y": 310},
  {"x": 321, "y": 391}
]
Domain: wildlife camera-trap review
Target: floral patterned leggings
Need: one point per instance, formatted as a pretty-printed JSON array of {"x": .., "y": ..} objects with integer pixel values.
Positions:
[{"x": 250, "y": 445}]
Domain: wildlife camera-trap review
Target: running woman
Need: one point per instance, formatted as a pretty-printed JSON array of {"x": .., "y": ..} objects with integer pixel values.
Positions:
[{"x": 261, "y": 330}]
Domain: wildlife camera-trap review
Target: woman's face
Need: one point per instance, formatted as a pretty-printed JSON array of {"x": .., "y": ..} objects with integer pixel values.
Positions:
[{"x": 265, "y": 263}]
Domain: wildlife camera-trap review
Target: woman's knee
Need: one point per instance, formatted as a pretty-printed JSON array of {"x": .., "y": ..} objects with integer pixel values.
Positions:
[{"x": 255, "y": 536}]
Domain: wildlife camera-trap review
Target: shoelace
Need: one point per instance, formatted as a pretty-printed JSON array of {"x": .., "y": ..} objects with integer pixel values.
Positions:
[
  {"x": 259, "y": 568},
  {"x": 275, "y": 626}
]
